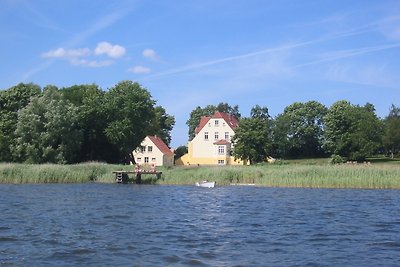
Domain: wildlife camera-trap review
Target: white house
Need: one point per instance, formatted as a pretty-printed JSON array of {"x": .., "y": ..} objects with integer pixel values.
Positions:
[{"x": 153, "y": 151}]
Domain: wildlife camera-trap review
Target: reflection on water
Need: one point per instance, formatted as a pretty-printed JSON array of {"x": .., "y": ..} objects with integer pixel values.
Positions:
[{"x": 139, "y": 225}]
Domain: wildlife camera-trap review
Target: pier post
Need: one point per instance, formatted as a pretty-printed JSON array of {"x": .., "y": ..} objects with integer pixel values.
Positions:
[{"x": 138, "y": 178}]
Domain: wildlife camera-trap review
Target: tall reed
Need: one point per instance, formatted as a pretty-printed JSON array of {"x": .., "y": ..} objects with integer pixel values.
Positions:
[{"x": 385, "y": 176}]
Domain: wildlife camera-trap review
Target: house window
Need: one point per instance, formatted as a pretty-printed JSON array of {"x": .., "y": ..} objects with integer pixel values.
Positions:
[
  {"x": 139, "y": 159},
  {"x": 206, "y": 136},
  {"x": 216, "y": 136},
  {"x": 153, "y": 159},
  {"x": 149, "y": 149},
  {"x": 143, "y": 149},
  {"x": 226, "y": 135},
  {"x": 146, "y": 159},
  {"x": 221, "y": 162},
  {"x": 216, "y": 123},
  {"x": 221, "y": 150}
]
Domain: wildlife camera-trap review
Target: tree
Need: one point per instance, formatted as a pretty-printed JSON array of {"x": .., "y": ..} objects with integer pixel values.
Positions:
[
  {"x": 353, "y": 132},
  {"x": 163, "y": 124},
  {"x": 209, "y": 110},
  {"x": 47, "y": 130},
  {"x": 11, "y": 101},
  {"x": 391, "y": 138},
  {"x": 130, "y": 116},
  {"x": 299, "y": 130},
  {"x": 180, "y": 151},
  {"x": 252, "y": 140},
  {"x": 90, "y": 100}
]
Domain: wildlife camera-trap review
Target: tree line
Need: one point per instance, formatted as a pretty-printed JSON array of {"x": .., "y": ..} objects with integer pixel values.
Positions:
[
  {"x": 78, "y": 123},
  {"x": 343, "y": 131}
]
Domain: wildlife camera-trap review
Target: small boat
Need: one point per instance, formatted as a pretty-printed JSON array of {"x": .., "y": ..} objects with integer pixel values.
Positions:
[{"x": 206, "y": 184}]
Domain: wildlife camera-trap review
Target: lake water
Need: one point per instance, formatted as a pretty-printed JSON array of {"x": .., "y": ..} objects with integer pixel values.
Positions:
[{"x": 144, "y": 225}]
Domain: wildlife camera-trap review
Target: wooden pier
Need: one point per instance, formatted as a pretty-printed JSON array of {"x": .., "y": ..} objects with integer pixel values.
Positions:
[{"x": 122, "y": 177}]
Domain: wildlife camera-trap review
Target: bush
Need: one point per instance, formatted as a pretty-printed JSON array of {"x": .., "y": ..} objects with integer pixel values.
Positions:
[{"x": 336, "y": 159}]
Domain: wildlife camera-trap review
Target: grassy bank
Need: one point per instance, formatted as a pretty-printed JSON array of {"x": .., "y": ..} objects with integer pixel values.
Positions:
[
  {"x": 316, "y": 174},
  {"x": 52, "y": 173}
]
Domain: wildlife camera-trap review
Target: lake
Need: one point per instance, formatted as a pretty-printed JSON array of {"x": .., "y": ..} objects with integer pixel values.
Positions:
[{"x": 147, "y": 225}]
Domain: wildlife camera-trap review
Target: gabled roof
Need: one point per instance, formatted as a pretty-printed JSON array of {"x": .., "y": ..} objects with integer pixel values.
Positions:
[
  {"x": 159, "y": 143},
  {"x": 229, "y": 119}
]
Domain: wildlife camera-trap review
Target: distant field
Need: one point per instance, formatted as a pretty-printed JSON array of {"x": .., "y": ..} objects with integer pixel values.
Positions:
[{"x": 313, "y": 173}]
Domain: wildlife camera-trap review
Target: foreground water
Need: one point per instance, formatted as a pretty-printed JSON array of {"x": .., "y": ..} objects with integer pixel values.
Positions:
[{"x": 131, "y": 225}]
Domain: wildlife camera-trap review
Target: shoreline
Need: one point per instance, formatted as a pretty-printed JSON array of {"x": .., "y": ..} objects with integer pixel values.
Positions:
[{"x": 298, "y": 175}]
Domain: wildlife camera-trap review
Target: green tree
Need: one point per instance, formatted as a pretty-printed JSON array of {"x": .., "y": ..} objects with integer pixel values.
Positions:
[
  {"x": 130, "y": 112},
  {"x": 353, "y": 132},
  {"x": 209, "y": 110},
  {"x": 391, "y": 138},
  {"x": 253, "y": 138},
  {"x": 11, "y": 101},
  {"x": 47, "y": 130},
  {"x": 180, "y": 151},
  {"x": 299, "y": 130},
  {"x": 90, "y": 100},
  {"x": 163, "y": 124}
]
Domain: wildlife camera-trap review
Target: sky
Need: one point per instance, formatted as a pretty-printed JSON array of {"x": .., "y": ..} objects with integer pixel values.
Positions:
[{"x": 203, "y": 52}]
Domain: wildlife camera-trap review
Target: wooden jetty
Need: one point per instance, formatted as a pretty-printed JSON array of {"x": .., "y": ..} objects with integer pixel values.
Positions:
[{"x": 122, "y": 177}]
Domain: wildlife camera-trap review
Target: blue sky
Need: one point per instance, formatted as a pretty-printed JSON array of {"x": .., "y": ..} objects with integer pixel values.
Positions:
[{"x": 200, "y": 52}]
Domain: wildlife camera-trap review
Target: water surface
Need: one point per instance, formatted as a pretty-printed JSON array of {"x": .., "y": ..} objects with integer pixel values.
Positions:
[{"x": 144, "y": 225}]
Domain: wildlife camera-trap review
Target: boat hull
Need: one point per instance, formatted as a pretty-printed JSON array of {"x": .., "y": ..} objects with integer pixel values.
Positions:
[{"x": 205, "y": 184}]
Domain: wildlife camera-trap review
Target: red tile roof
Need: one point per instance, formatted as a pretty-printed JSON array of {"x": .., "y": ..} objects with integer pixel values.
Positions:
[
  {"x": 229, "y": 119},
  {"x": 159, "y": 143}
]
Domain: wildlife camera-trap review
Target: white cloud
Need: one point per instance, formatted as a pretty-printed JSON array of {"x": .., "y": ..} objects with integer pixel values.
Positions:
[
  {"x": 70, "y": 53},
  {"x": 91, "y": 63},
  {"x": 86, "y": 57},
  {"x": 113, "y": 51},
  {"x": 150, "y": 54},
  {"x": 139, "y": 70}
]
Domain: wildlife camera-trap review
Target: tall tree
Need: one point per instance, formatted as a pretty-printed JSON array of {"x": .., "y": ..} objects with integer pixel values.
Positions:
[
  {"x": 47, "y": 130},
  {"x": 163, "y": 124},
  {"x": 253, "y": 138},
  {"x": 130, "y": 112},
  {"x": 209, "y": 110},
  {"x": 353, "y": 132},
  {"x": 299, "y": 130},
  {"x": 11, "y": 101},
  {"x": 90, "y": 100},
  {"x": 391, "y": 138}
]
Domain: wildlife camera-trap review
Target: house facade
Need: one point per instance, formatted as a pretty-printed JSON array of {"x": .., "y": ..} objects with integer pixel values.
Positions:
[
  {"x": 153, "y": 151},
  {"x": 212, "y": 142}
]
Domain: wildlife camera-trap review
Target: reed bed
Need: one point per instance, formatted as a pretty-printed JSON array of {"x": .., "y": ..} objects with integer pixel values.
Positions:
[
  {"x": 375, "y": 176},
  {"x": 52, "y": 173},
  {"x": 383, "y": 176}
]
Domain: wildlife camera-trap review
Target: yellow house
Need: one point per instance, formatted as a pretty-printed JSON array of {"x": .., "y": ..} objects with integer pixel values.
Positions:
[
  {"x": 212, "y": 142},
  {"x": 153, "y": 151}
]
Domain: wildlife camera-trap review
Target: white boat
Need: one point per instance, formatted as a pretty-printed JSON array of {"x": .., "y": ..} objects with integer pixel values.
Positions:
[{"x": 206, "y": 184}]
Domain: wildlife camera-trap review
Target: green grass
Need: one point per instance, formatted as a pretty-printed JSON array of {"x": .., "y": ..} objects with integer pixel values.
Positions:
[{"x": 311, "y": 173}]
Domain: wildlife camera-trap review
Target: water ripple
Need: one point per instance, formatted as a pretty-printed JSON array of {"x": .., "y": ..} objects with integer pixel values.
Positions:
[{"x": 109, "y": 225}]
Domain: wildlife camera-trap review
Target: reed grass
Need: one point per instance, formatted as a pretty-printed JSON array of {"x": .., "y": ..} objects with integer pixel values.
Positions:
[
  {"x": 375, "y": 176},
  {"x": 383, "y": 176},
  {"x": 52, "y": 173}
]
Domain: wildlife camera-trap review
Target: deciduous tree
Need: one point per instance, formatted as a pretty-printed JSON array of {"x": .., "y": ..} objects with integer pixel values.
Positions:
[
  {"x": 11, "y": 101},
  {"x": 253, "y": 138},
  {"x": 391, "y": 138},
  {"x": 130, "y": 115},
  {"x": 353, "y": 132},
  {"x": 298, "y": 130},
  {"x": 47, "y": 130}
]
